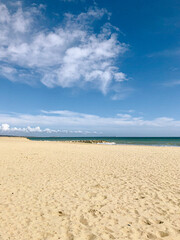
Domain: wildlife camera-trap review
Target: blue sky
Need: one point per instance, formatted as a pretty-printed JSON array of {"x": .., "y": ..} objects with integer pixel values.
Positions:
[{"x": 90, "y": 68}]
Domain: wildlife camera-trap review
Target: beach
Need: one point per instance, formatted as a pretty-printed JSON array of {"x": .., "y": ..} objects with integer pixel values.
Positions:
[{"x": 80, "y": 191}]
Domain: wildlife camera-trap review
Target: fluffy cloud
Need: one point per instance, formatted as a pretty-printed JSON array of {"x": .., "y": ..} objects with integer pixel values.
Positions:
[
  {"x": 82, "y": 124},
  {"x": 71, "y": 54},
  {"x": 6, "y": 129}
]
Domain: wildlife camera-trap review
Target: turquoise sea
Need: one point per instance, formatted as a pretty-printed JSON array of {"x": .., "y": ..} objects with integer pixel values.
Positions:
[{"x": 152, "y": 141}]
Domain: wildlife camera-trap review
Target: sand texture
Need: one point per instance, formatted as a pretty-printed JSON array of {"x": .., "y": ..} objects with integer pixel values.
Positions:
[{"x": 76, "y": 191}]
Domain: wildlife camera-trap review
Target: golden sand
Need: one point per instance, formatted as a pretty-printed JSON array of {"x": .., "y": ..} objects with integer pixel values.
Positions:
[{"x": 74, "y": 191}]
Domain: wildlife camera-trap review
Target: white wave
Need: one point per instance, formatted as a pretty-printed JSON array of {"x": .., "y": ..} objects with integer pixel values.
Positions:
[{"x": 108, "y": 143}]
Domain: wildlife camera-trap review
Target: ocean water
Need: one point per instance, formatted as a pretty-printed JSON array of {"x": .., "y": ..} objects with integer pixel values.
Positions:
[{"x": 151, "y": 141}]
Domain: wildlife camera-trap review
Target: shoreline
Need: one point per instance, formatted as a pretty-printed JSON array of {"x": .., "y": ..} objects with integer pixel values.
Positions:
[
  {"x": 90, "y": 143},
  {"x": 105, "y": 143},
  {"x": 95, "y": 140}
]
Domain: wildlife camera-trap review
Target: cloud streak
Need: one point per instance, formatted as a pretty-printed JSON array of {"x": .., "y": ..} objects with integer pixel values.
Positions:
[
  {"x": 166, "y": 53},
  {"x": 71, "y": 54},
  {"x": 171, "y": 83},
  {"x": 54, "y": 122}
]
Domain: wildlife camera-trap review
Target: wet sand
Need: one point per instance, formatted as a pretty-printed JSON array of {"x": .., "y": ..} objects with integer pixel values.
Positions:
[{"x": 76, "y": 191}]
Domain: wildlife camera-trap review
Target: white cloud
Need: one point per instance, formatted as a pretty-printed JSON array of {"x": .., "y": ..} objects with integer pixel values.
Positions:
[
  {"x": 4, "y": 127},
  {"x": 120, "y": 77},
  {"x": 124, "y": 116},
  {"x": 68, "y": 122},
  {"x": 71, "y": 54}
]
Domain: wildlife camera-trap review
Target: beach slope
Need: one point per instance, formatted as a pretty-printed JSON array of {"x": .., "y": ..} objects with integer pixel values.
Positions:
[{"x": 78, "y": 191}]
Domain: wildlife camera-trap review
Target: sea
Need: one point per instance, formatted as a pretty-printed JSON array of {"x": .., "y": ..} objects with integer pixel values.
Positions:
[{"x": 151, "y": 141}]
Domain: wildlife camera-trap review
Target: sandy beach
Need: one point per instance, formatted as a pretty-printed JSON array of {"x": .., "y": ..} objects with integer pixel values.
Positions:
[{"x": 75, "y": 191}]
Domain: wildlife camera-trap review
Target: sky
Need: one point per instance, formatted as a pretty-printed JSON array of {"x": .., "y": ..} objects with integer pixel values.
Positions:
[{"x": 90, "y": 68}]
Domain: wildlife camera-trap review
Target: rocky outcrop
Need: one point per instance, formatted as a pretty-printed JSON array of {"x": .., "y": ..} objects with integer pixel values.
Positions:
[{"x": 90, "y": 141}]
